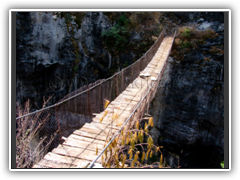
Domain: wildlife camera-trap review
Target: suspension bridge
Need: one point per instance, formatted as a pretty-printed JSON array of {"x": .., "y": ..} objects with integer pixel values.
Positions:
[{"x": 129, "y": 93}]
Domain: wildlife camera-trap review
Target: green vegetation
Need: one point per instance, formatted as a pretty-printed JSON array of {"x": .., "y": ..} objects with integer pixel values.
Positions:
[
  {"x": 116, "y": 38},
  {"x": 185, "y": 44},
  {"x": 222, "y": 164},
  {"x": 186, "y": 33},
  {"x": 190, "y": 39}
]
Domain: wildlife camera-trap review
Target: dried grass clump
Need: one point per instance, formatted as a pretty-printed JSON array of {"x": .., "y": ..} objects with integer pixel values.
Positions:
[
  {"x": 133, "y": 148},
  {"x": 216, "y": 50},
  {"x": 154, "y": 38},
  {"x": 30, "y": 147},
  {"x": 209, "y": 34},
  {"x": 133, "y": 19},
  {"x": 156, "y": 16},
  {"x": 190, "y": 39}
]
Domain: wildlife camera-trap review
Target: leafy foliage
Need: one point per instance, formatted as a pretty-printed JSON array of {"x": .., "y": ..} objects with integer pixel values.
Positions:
[
  {"x": 222, "y": 164},
  {"x": 116, "y": 38},
  {"x": 186, "y": 33}
]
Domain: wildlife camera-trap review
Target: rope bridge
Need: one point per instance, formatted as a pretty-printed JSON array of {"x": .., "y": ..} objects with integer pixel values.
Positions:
[{"x": 75, "y": 126}]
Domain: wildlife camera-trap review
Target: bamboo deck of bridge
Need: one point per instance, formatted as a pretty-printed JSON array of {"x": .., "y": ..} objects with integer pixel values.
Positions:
[{"x": 79, "y": 149}]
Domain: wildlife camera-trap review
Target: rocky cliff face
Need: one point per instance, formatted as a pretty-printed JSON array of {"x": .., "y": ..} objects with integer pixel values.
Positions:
[
  {"x": 58, "y": 53},
  {"x": 95, "y": 56},
  {"x": 55, "y": 56},
  {"x": 44, "y": 57},
  {"x": 188, "y": 109}
]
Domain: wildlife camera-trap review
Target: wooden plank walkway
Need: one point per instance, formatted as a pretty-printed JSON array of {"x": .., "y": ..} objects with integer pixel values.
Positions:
[{"x": 79, "y": 149}]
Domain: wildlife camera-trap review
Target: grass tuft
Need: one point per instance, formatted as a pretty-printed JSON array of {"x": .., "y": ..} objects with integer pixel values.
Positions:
[
  {"x": 31, "y": 146},
  {"x": 133, "y": 148},
  {"x": 190, "y": 39}
]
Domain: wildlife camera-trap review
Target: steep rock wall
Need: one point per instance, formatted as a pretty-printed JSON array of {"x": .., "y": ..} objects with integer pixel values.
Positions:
[
  {"x": 55, "y": 55},
  {"x": 188, "y": 109},
  {"x": 44, "y": 57}
]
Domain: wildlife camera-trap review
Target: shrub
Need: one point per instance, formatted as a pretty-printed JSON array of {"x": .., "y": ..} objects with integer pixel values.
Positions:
[
  {"x": 133, "y": 19},
  {"x": 156, "y": 16},
  {"x": 122, "y": 21},
  {"x": 209, "y": 34},
  {"x": 30, "y": 147},
  {"x": 116, "y": 38},
  {"x": 133, "y": 149},
  {"x": 185, "y": 44},
  {"x": 189, "y": 38},
  {"x": 216, "y": 50},
  {"x": 186, "y": 33}
]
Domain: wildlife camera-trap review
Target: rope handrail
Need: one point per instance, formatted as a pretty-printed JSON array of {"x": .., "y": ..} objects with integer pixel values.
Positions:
[
  {"x": 92, "y": 163},
  {"x": 104, "y": 80}
]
